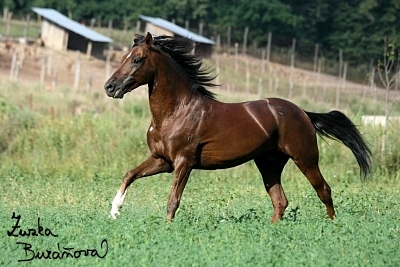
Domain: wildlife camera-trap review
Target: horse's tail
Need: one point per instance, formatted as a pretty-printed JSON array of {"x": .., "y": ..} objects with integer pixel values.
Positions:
[{"x": 337, "y": 126}]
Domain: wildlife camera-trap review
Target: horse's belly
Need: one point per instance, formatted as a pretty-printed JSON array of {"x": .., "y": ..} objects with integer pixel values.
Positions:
[{"x": 229, "y": 152}]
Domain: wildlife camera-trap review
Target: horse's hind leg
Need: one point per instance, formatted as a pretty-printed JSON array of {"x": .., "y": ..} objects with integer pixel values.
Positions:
[
  {"x": 307, "y": 162},
  {"x": 313, "y": 174},
  {"x": 270, "y": 165}
]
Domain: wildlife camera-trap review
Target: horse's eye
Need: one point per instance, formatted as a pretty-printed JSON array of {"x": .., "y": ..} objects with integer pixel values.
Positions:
[{"x": 137, "y": 60}]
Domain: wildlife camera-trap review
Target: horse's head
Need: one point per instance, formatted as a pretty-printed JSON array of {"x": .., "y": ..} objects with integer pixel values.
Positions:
[{"x": 136, "y": 69}]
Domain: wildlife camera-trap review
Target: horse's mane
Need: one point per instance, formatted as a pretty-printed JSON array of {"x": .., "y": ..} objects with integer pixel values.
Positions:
[{"x": 180, "y": 51}]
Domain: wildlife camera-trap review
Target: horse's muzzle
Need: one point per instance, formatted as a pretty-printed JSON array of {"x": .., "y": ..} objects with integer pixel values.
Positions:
[{"x": 113, "y": 90}]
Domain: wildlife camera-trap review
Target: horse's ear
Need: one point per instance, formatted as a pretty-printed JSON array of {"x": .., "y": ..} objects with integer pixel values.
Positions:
[{"x": 149, "y": 39}]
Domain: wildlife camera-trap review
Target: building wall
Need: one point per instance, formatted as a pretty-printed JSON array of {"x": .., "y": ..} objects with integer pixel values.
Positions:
[
  {"x": 156, "y": 30},
  {"x": 53, "y": 35},
  {"x": 61, "y": 39}
]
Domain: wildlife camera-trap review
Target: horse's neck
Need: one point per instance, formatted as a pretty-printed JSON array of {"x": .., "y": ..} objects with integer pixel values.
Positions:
[{"x": 168, "y": 91}]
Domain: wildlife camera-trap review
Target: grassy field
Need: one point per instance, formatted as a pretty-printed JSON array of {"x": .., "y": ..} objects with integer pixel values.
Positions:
[{"x": 65, "y": 170}]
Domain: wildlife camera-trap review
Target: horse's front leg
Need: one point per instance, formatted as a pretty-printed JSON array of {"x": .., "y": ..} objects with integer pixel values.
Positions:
[
  {"x": 149, "y": 167},
  {"x": 181, "y": 175}
]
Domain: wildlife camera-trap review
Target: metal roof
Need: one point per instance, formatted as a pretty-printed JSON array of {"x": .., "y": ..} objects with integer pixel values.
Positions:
[
  {"x": 177, "y": 29},
  {"x": 69, "y": 24}
]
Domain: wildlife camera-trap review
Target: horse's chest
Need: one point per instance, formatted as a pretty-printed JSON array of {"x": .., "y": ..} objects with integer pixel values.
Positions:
[{"x": 169, "y": 142}]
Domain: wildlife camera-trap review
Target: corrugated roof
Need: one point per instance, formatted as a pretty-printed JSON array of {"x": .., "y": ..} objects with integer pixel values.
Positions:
[
  {"x": 177, "y": 30},
  {"x": 69, "y": 24}
]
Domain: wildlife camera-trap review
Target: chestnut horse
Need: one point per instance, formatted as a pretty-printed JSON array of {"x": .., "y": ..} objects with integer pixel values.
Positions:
[{"x": 190, "y": 129}]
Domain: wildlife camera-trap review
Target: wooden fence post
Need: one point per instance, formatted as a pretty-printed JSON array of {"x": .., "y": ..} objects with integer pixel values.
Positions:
[
  {"x": 236, "y": 57},
  {"x": 201, "y": 28},
  {"x": 43, "y": 71},
  {"x": 228, "y": 41},
  {"x": 372, "y": 83},
  {"x": 246, "y": 32},
  {"x": 89, "y": 49},
  {"x": 263, "y": 61},
  {"x": 340, "y": 63},
  {"x": 8, "y": 29},
  {"x": 276, "y": 85},
  {"x": 344, "y": 76},
  {"x": 269, "y": 47},
  {"x": 247, "y": 78},
  {"x": 138, "y": 26},
  {"x": 124, "y": 31},
  {"x": 292, "y": 67},
  {"x": 316, "y": 57},
  {"x": 5, "y": 14},
  {"x": 77, "y": 71},
  {"x": 110, "y": 26},
  {"x": 49, "y": 61},
  {"x": 217, "y": 70},
  {"x": 13, "y": 65},
  {"x": 22, "y": 57},
  {"x": 318, "y": 81},
  {"x": 108, "y": 64},
  {"x": 92, "y": 23},
  {"x": 54, "y": 80},
  {"x": 260, "y": 88},
  {"x": 27, "y": 24},
  {"x": 89, "y": 82},
  {"x": 218, "y": 45}
]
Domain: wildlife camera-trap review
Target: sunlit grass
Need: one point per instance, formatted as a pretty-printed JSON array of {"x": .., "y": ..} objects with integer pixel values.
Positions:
[{"x": 66, "y": 168}]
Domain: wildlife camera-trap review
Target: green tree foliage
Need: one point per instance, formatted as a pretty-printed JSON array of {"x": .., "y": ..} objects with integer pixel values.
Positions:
[{"x": 357, "y": 27}]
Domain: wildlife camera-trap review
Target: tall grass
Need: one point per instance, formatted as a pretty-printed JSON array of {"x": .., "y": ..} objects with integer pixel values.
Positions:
[
  {"x": 65, "y": 167},
  {"x": 52, "y": 140}
]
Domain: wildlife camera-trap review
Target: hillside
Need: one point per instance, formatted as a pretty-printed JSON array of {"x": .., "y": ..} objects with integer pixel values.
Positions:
[{"x": 244, "y": 78}]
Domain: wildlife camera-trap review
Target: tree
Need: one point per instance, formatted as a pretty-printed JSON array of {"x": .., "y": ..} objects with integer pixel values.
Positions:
[{"x": 389, "y": 75}]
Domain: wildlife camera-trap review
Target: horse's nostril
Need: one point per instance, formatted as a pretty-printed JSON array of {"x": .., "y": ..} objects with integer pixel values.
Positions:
[{"x": 109, "y": 86}]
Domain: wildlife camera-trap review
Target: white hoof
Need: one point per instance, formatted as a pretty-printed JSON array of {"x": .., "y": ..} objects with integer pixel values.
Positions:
[
  {"x": 117, "y": 204},
  {"x": 114, "y": 214}
]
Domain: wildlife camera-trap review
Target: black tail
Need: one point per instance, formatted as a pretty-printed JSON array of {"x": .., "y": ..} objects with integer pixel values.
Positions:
[{"x": 337, "y": 126}]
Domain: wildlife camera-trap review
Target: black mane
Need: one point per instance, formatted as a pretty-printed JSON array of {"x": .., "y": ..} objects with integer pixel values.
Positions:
[{"x": 180, "y": 51}]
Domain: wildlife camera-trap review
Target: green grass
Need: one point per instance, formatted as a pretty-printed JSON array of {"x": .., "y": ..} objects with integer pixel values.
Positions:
[
  {"x": 66, "y": 169},
  {"x": 17, "y": 28}
]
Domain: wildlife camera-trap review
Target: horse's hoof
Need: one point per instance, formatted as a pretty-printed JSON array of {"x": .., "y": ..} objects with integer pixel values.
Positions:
[{"x": 113, "y": 215}]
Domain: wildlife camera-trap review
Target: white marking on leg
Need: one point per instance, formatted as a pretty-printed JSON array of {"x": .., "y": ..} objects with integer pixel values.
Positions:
[
  {"x": 151, "y": 128},
  {"x": 117, "y": 203}
]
